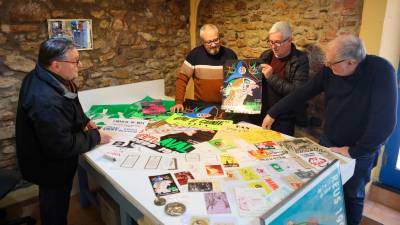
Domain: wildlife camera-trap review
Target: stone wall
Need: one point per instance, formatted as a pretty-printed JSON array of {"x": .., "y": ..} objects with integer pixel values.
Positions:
[
  {"x": 134, "y": 40},
  {"x": 244, "y": 27}
]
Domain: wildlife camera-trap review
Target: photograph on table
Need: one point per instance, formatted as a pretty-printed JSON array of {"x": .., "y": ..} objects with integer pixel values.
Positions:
[
  {"x": 163, "y": 185},
  {"x": 217, "y": 203},
  {"x": 183, "y": 177},
  {"x": 242, "y": 86}
]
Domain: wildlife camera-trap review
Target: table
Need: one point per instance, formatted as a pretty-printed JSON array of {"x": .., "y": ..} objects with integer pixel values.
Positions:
[{"x": 137, "y": 200}]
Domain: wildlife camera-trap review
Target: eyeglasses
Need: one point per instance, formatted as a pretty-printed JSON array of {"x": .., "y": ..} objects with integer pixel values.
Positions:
[
  {"x": 278, "y": 43},
  {"x": 73, "y": 62},
  {"x": 210, "y": 42},
  {"x": 330, "y": 64}
]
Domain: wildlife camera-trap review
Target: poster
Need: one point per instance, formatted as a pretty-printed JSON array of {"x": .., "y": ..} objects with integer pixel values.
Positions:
[
  {"x": 242, "y": 86},
  {"x": 304, "y": 205},
  {"x": 77, "y": 30}
]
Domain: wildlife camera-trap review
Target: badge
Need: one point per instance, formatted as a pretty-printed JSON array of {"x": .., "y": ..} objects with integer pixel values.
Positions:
[{"x": 175, "y": 209}]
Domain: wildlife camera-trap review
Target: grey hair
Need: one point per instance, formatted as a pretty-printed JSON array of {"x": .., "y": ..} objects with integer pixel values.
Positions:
[
  {"x": 349, "y": 47},
  {"x": 207, "y": 27},
  {"x": 283, "y": 27}
]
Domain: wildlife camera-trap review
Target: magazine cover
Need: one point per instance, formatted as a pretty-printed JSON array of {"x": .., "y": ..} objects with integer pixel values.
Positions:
[{"x": 242, "y": 86}]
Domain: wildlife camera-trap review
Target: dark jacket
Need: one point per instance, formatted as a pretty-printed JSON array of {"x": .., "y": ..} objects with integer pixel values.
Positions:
[
  {"x": 360, "y": 109},
  {"x": 50, "y": 130},
  {"x": 274, "y": 89}
]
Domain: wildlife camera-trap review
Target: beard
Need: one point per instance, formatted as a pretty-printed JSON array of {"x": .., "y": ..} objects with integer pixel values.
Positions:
[{"x": 213, "y": 51}]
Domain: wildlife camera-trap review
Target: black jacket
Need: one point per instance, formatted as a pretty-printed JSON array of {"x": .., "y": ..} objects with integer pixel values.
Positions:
[
  {"x": 50, "y": 130},
  {"x": 360, "y": 109},
  {"x": 296, "y": 75}
]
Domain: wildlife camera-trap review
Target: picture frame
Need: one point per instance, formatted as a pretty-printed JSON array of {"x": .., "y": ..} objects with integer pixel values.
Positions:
[{"x": 77, "y": 30}]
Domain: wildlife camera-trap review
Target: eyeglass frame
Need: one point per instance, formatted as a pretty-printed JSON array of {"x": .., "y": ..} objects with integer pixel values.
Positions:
[
  {"x": 278, "y": 43},
  {"x": 73, "y": 62},
  {"x": 329, "y": 64},
  {"x": 214, "y": 41}
]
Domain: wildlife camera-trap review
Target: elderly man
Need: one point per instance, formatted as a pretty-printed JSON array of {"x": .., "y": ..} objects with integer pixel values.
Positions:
[
  {"x": 285, "y": 68},
  {"x": 51, "y": 128},
  {"x": 360, "y": 100},
  {"x": 205, "y": 65}
]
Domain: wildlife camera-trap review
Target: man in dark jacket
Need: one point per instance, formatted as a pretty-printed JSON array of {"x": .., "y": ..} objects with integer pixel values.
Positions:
[
  {"x": 360, "y": 101},
  {"x": 51, "y": 128},
  {"x": 285, "y": 69}
]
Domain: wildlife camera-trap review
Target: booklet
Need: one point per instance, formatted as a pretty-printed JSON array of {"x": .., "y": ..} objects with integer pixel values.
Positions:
[{"x": 242, "y": 86}]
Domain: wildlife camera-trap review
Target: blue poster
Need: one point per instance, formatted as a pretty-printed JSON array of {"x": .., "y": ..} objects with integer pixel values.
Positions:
[{"x": 319, "y": 201}]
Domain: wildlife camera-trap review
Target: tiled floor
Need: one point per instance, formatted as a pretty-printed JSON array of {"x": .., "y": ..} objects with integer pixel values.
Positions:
[
  {"x": 381, "y": 213},
  {"x": 76, "y": 216}
]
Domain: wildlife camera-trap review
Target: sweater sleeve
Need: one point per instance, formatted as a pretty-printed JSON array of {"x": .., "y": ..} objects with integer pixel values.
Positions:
[
  {"x": 297, "y": 98},
  {"x": 382, "y": 113},
  {"x": 185, "y": 73}
]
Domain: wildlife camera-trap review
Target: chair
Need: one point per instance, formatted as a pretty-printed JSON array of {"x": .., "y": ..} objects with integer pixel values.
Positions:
[{"x": 8, "y": 180}]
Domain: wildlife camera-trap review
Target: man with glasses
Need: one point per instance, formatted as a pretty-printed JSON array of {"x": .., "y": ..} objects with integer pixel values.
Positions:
[
  {"x": 205, "y": 65},
  {"x": 360, "y": 110},
  {"x": 52, "y": 129},
  {"x": 285, "y": 68}
]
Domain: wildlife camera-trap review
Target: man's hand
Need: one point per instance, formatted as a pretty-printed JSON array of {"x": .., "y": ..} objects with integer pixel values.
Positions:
[
  {"x": 267, "y": 122},
  {"x": 266, "y": 70},
  {"x": 91, "y": 125},
  {"x": 341, "y": 150},
  {"x": 104, "y": 137},
  {"x": 177, "y": 108}
]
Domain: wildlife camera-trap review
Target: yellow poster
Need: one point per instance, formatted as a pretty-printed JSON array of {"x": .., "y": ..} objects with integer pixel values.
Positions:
[{"x": 248, "y": 173}]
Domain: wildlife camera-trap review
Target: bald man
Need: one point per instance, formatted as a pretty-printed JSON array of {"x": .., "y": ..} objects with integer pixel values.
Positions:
[{"x": 205, "y": 65}]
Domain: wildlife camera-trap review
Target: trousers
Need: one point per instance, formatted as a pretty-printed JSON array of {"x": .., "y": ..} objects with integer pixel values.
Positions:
[
  {"x": 54, "y": 204},
  {"x": 354, "y": 188}
]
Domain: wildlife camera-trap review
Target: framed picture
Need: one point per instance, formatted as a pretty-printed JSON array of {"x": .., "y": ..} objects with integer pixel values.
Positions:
[
  {"x": 319, "y": 201},
  {"x": 78, "y": 30}
]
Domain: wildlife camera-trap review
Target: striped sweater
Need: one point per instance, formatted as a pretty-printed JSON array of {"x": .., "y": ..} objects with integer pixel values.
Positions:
[{"x": 207, "y": 73}]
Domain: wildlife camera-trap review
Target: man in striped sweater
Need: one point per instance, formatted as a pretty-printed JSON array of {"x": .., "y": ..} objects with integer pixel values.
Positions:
[{"x": 205, "y": 65}]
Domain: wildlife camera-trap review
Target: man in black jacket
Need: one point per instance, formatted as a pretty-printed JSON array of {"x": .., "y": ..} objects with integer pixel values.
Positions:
[
  {"x": 360, "y": 101},
  {"x": 52, "y": 129},
  {"x": 285, "y": 68}
]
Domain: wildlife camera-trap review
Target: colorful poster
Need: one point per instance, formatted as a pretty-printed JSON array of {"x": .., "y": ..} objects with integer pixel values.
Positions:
[
  {"x": 185, "y": 121},
  {"x": 304, "y": 145},
  {"x": 304, "y": 205},
  {"x": 98, "y": 113},
  {"x": 152, "y": 107},
  {"x": 228, "y": 160},
  {"x": 196, "y": 109},
  {"x": 163, "y": 184},
  {"x": 242, "y": 86}
]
